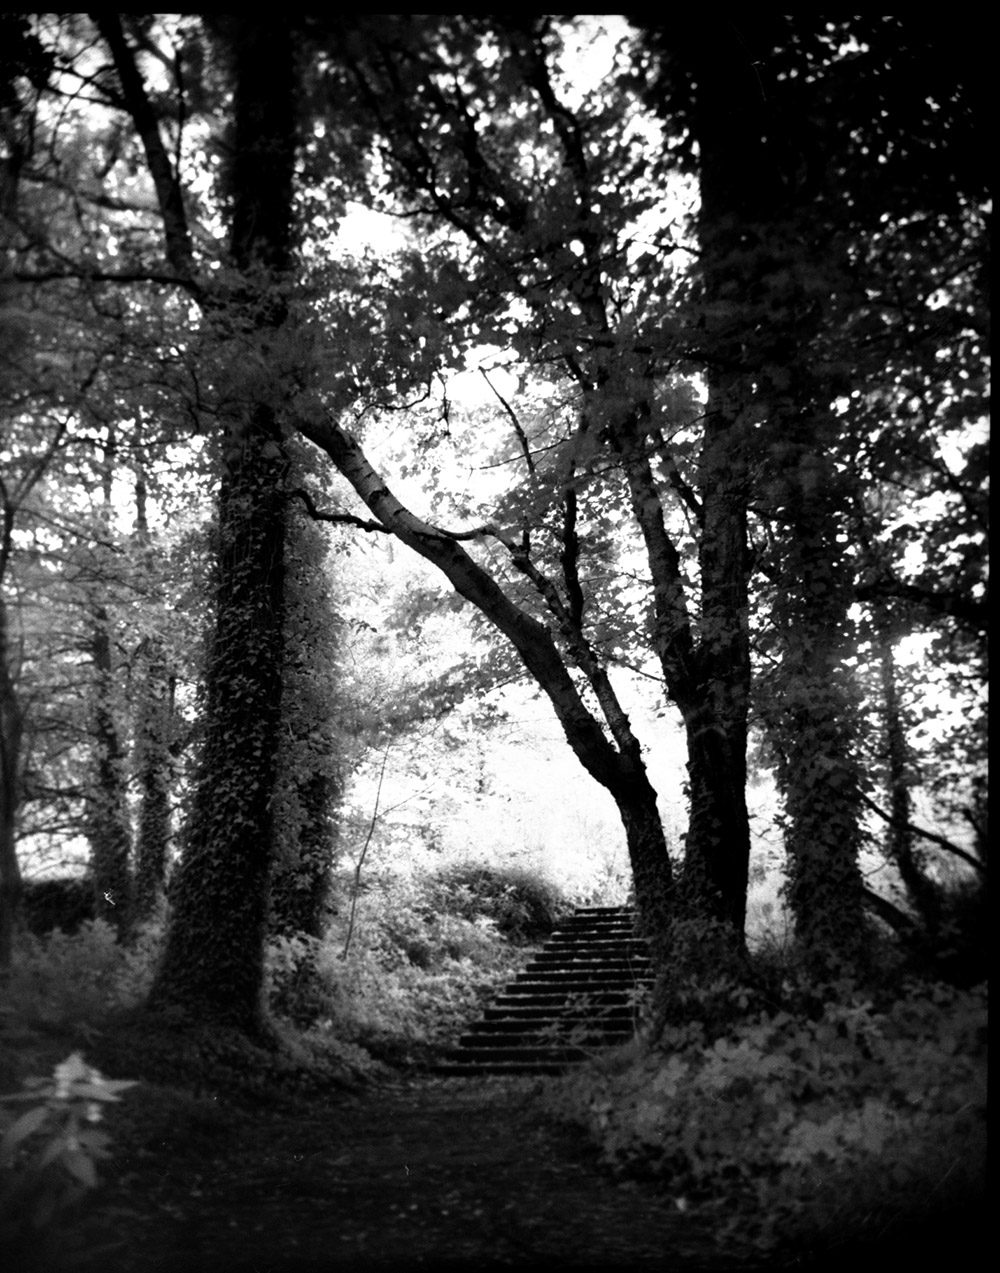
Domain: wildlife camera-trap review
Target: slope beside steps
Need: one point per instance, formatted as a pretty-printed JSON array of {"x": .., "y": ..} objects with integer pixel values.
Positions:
[{"x": 578, "y": 994}]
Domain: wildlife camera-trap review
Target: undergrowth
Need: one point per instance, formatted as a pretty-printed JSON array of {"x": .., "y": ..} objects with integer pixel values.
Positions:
[
  {"x": 393, "y": 979},
  {"x": 803, "y": 1128},
  {"x": 402, "y": 971}
]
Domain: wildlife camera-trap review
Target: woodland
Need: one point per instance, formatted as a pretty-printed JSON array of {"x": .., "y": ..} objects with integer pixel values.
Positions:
[{"x": 370, "y": 383}]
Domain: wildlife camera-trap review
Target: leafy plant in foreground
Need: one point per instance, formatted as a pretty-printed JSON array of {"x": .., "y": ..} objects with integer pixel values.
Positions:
[{"x": 48, "y": 1154}]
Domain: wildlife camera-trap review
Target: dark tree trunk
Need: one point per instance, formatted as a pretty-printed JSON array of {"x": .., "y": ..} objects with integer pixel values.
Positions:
[
  {"x": 650, "y": 863},
  {"x": 717, "y": 852},
  {"x": 900, "y": 838},
  {"x": 300, "y": 884},
  {"x": 108, "y": 823},
  {"x": 213, "y": 963},
  {"x": 310, "y": 782}
]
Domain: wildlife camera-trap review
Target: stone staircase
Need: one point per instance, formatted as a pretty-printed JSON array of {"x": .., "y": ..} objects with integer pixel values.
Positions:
[{"x": 578, "y": 994}]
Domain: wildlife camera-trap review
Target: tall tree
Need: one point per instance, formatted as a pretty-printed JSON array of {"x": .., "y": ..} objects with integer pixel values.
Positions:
[{"x": 213, "y": 961}]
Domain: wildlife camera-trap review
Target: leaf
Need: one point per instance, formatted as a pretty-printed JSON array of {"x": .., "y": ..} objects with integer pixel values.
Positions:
[
  {"x": 80, "y": 1166},
  {"x": 25, "y": 1126}
]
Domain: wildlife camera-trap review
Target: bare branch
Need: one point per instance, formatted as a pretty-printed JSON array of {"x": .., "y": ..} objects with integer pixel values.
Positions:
[
  {"x": 337, "y": 519},
  {"x": 522, "y": 437},
  {"x": 941, "y": 841}
]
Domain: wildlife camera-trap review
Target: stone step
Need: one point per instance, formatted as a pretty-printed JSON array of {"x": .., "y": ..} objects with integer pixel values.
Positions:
[
  {"x": 587, "y": 962},
  {"x": 577, "y": 995},
  {"x": 620, "y": 929},
  {"x": 513, "y": 1069},
  {"x": 574, "y": 984},
  {"x": 554, "y": 1034},
  {"x": 546, "y": 1053},
  {"x": 574, "y": 994},
  {"x": 598, "y": 941},
  {"x": 522, "y": 1010}
]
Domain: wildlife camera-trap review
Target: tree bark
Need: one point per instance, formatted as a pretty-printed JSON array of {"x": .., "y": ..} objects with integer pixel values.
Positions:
[
  {"x": 809, "y": 707},
  {"x": 213, "y": 962}
]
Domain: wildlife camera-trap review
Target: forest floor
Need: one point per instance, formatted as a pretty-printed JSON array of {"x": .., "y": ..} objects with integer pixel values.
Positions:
[
  {"x": 423, "y": 1173},
  {"x": 397, "y": 1174}
]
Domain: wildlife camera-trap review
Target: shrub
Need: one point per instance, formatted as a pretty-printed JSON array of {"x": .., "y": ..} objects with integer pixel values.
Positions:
[
  {"x": 406, "y": 987},
  {"x": 413, "y": 973},
  {"x": 63, "y": 978},
  {"x": 63, "y": 903},
  {"x": 524, "y": 906},
  {"x": 803, "y": 1124}
]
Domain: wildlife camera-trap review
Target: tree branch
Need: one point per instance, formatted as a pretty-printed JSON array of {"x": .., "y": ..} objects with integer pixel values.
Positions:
[
  {"x": 940, "y": 840},
  {"x": 337, "y": 519},
  {"x": 967, "y": 610},
  {"x": 897, "y": 920},
  {"x": 179, "y": 251}
]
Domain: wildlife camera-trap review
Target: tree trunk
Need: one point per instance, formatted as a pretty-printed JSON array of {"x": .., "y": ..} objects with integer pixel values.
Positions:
[
  {"x": 809, "y": 708},
  {"x": 154, "y": 773},
  {"x": 717, "y": 851},
  {"x": 651, "y": 871},
  {"x": 213, "y": 963},
  {"x": 900, "y": 839},
  {"x": 309, "y": 781},
  {"x": 11, "y": 734},
  {"x": 109, "y": 828}
]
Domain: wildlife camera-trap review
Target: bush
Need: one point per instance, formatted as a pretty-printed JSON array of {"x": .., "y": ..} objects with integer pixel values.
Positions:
[
  {"x": 803, "y": 1125},
  {"x": 64, "y": 903},
  {"x": 64, "y": 979},
  {"x": 522, "y": 904},
  {"x": 413, "y": 974}
]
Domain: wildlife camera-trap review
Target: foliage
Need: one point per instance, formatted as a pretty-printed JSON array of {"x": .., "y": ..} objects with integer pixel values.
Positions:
[
  {"x": 853, "y": 1115},
  {"x": 48, "y": 1155},
  {"x": 75, "y": 978},
  {"x": 62, "y": 903},
  {"x": 523, "y": 905},
  {"x": 423, "y": 958}
]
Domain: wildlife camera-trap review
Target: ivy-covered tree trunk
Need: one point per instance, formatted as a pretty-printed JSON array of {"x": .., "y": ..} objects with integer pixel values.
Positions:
[
  {"x": 213, "y": 963},
  {"x": 809, "y": 707},
  {"x": 717, "y": 851},
  {"x": 309, "y": 780},
  {"x": 108, "y": 824}
]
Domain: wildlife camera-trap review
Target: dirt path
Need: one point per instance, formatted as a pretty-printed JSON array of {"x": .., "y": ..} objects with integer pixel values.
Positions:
[{"x": 423, "y": 1174}]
